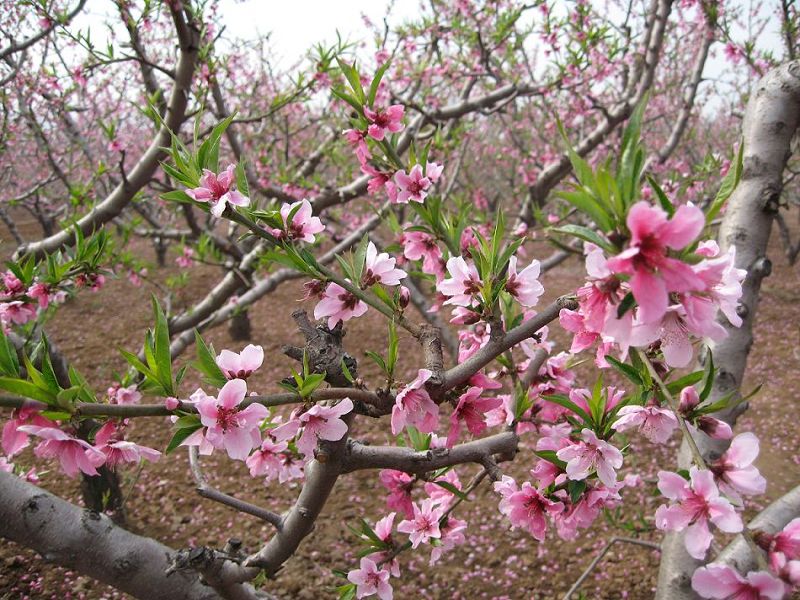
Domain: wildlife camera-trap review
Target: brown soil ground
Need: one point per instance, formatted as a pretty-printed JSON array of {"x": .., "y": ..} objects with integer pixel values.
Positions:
[{"x": 494, "y": 563}]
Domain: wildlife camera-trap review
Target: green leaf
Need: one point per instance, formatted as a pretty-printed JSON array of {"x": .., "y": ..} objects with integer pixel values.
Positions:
[
  {"x": 569, "y": 405},
  {"x": 180, "y": 435},
  {"x": 728, "y": 185},
  {"x": 709, "y": 378},
  {"x": 676, "y": 386},
  {"x": 27, "y": 390},
  {"x": 625, "y": 369},
  {"x": 376, "y": 81},
  {"x": 206, "y": 363},
  {"x": 550, "y": 456},
  {"x": 163, "y": 357},
  {"x": 588, "y": 205},
  {"x": 628, "y": 302},
  {"x": 662, "y": 198},
  {"x": 176, "y": 196},
  {"x": 576, "y": 489},
  {"x": 588, "y": 235}
]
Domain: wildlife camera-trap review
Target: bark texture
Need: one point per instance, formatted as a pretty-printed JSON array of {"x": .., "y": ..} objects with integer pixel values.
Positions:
[{"x": 770, "y": 122}]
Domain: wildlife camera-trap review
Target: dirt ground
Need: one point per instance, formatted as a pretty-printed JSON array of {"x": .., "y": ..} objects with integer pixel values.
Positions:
[{"x": 494, "y": 563}]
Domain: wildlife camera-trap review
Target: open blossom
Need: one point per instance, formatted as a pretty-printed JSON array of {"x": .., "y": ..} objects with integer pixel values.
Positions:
[
  {"x": 303, "y": 225},
  {"x": 471, "y": 411},
  {"x": 694, "y": 505},
  {"x": 16, "y": 312},
  {"x": 526, "y": 507},
  {"x": 357, "y": 139},
  {"x": 124, "y": 395},
  {"x": 14, "y": 440},
  {"x": 242, "y": 365},
  {"x": 414, "y": 185},
  {"x": 424, "y": 524},
  {"x": 420, "y": 245},
  {"x": 722, "y": 582},
  {"x": 735, "y": 470},
  {"x": 784, "y": 551},
  {"x": 383, "y": 529},
  {"x": 216, "y": 190},
  {"x": 370, "y": 580},
  {"x": 338, "y": 304},
  {"x": 399, "y": 484},
  {"x": 228, "y": 426},
  {"x": 654, "y": 274},
  {"x": 74, "y": 454},
  {"x": 383, "y": 120},
  {"x": 452, "y": 535},
  {"x": 318, "y": 423},
  {"x": 591, "y": 454},
  {"x": 414, "y": 406},
  {"x": 524, "y": 286},
  {"x": 40, "y": 292},
  {"x": 723, "y": 283},
  {"x": 439, "y": 494},
  {"x": 267, "y": 460},
  {"x": 186, "y": 259},
  {"x": 109, "y": 441},
  {"x": 464, "y": 282},
  {"x": 656, "y": 424},
  {"x": 379, "y": 268}
]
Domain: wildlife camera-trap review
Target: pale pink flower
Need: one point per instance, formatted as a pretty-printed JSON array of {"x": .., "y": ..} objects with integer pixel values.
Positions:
[
  {"x": 524, "y": 286},
  {"x": 384, "y": 120},
  {"x": 186, "y": 259},
  {"x": 527, "y": 508},
  {"x": 471, "y": 410},
  {"x": 413, "y": 406},
  {"x": 464, "y": 282},
  {"x": 452, "y": 535},
  {"x": 16, "y": 312},
  {"x": 419, "y": 245},
  {"x": 424, "y": 524},
  {"x": 15, "y": 440},
  {"x": 370, "y": 580},
  {"x": 383, "y": 529},
  {"x": 303, "y": 225},
  {"x": 694, "y": 505},
  {"x": 5, "y": 465},
  {"x": 242, "y": 365},
  {"x": 338, "y": 304},
  {"x": 379, "y": 268},
  {"x": 723, "y": 283},
  {"x": 722, "y": 582},
  {"x": 412, "y": 186},
  {"x": 267, "y": 460},
  {"x": 735, "y": 470},
  {"x": 124, "y": 395},
  {"x": 74, "y": 454},
  {"x": 40, "y": 292},
  {"x": 217, "y": 191},
  {"x": 439, "y": 494},
  {"x": 109, "y": 441},
  {"x": 399, "y": 485},
  {"x": 656, "y": 424},
  {"x": 787, "y": 541},
  {"x": 228, "y": 426},
  {"x": 653, "y": 273},
  {"x": 357, "y": 139},
  {"x": 317, "y": 423},
  {"x": 711, "y": 426},
  {"x": 591, "y": 454}
]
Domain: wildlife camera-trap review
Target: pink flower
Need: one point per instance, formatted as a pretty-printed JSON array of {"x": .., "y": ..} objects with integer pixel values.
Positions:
[
  {"x": 723, "y": 283},
  {"x": 464, "y": 282},
  {"x": 724, "y": 583},
  {"x": 12, "y": 286},
  {"x": 318, "y": 423},
  {"x": 413, "y": 185},
  {"x": 591, "y": 454},
  {"x": 370, "y": 580},
  {"x": 124, "y": 395},
  {"x": 16, "y": 312},
  {"x": 15, "y": 440},
  {"x": 654, "y": 274},
  {"x": 399, "y": 485},
  {"x": 383, "y": 529},
  {"x": 357, "y": 139},
  {"x": 110, "y": 442},
  {"x": 527, "y": 507},
  {"x": 452, "y": 535},
  {"x": 735, "y": 470},
  {"x": 439, "y": 494},
  {"x": 41, "y": 293},
  {"x": 383, "y": 120},
  {"x": 242, "y": 365},
  {"x": 186, "y": 259},
  {"x": 419, "y": 245},
  {"x": 471, "y": 410},
  {"x": 524, "y": 286},
  {"x": 267, "y": 460},
  {"x": 413, "y": 405},
  {"x": 216, "y": 190},
  {"x": 338, "y": 305},
  {"x": 303, "y": 225},
  {"x": 424, "y": 524},
  {"x": 229, "y": 427},
  {"x": 694, "y": 505},
  {"x": 74, "y": 454},
  {"x": 656, "y": 424},
  {"x": 711, "y": 426},
  {"x": 379, "y": 268}
]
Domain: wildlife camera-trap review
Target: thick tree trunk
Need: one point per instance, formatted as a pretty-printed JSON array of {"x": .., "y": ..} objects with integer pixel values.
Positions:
[{"x": 770, "y": 123}]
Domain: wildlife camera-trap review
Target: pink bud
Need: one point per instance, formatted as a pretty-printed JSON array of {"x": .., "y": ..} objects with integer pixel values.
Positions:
[
  {"x": 404, "y": 296},
  {"x": 172, "y": 403}
]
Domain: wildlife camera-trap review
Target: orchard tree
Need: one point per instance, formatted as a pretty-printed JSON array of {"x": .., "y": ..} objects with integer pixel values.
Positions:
[{"x": 417, "y": 179}]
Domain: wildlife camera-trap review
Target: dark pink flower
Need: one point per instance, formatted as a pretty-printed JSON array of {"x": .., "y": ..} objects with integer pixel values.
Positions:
[
  {"x": 471, "y": 410},
  {"x": 413, "y": 405},
  {"x": 383, "y": 120},
  {"x": 412, "y": 186},
  {"x": 399, "y": 485},
  {"x": 217, "y": 191}
]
